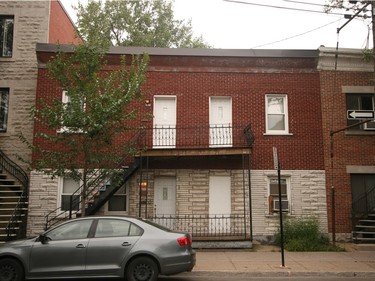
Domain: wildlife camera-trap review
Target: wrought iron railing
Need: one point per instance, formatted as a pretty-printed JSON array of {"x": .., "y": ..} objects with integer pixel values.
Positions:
[
  {"x": 17, "y": 221},
  {"x": 363, "y": 205},
  {"x": 198, "y": 136},
  {"x": 206, "y": 226}
]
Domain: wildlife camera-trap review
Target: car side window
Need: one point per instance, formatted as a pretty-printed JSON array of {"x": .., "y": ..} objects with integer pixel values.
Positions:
[
  {"x": 116, "y": 228},
  {"x": 70, "y": 230}
]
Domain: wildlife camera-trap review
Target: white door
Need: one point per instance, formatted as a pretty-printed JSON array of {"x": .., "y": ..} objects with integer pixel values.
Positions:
[
  {"x": 165, "y": 200},
  {"x": 219, "y": 204},
  {"x": 164, "y": 133},
  {"x": 220, "y": 121}
]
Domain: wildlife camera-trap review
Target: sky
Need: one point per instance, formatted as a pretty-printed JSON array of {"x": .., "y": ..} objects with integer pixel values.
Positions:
[{"x": 262, "y": 24}]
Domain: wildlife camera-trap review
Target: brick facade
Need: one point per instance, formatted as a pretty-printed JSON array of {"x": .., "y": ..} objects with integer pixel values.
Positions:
[
  {"x": 349, "y": 149},
  {"x": 192, "y": 78}
]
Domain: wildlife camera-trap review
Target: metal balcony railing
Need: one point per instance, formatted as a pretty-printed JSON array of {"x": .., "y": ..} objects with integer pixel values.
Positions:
[
  {"x": 197, "y": 136},
  {"x": 206, "y": 226}
]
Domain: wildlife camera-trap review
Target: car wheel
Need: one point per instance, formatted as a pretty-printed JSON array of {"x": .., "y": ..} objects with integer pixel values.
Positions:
[
  {"x": 142, "y": 269},
  {"x": 11, "y": 270}
]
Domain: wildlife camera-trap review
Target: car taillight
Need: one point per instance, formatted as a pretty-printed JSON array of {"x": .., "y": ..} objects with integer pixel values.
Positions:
[{"x": 184, "y": 241}]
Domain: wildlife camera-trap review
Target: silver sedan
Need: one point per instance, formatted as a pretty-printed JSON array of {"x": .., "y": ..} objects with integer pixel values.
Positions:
[{"x": 118, "y": 247}]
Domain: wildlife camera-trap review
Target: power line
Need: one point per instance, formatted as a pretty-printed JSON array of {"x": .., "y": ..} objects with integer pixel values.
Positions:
[
  {"x": 305, "y": 3},
  {"x": 280, "y": 7},
  {"x": 294, "y": 36}
]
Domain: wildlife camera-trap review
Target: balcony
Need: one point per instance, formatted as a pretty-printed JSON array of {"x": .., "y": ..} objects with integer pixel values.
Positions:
[{"x": 197, "y": 140}]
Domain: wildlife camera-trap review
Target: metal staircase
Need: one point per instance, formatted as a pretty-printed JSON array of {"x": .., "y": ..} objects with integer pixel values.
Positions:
[
  {"x": 364, "y": 230},
  {"x": 13, "y": 200},
  {"x": 102, "y": 188},
  {"x": 110, "y": 189},
  {"x": 364, "y": 218}
]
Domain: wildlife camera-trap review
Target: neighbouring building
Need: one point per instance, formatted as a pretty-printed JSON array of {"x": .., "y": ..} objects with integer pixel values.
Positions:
[
  {"x": 347, "y": 93},
  {"x": 22, "y": 25},
  {"x": 218, "y": 117}
]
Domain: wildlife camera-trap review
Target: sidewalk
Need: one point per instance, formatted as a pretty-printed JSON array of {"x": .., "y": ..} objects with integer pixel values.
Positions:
[{"x": 266, "y": 261}]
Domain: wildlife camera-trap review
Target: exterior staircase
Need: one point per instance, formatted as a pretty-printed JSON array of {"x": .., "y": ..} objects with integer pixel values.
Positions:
[
  {"x": 364, "y": 230},
  {"x": 13, "y": 208}
]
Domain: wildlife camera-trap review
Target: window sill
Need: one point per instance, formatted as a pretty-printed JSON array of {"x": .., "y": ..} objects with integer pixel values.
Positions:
[{"x": 277, "y": 134}]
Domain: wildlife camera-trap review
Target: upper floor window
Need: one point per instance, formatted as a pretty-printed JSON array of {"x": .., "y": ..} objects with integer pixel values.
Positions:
[
  {"x": 6, "y": 36},
  {"x": 358, "y": 101},
  {"x": 73, "y": 110},
  {"x": 276, "y": 114},
  {"x": 4, "y": 104}
]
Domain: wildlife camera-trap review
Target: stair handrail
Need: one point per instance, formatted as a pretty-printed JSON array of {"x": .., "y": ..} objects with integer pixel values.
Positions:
[
  {"x": 63, "y": 215},
  {"x": 13, "y": 222},
  {"x": 17, "y": 172},
  {"x": 368, "y": 200}
]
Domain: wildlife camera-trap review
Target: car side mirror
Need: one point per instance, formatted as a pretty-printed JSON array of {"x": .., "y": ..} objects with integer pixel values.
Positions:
[{"x": 43, "y": 238}]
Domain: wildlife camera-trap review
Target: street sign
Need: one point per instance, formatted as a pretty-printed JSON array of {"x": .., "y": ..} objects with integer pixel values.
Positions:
[
  {"x": 275, "y": 159},
  {"x": 360, "y": 114}
]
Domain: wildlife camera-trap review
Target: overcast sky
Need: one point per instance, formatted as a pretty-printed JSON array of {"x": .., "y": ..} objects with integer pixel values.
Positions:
[{"x": 266, "y": 24}]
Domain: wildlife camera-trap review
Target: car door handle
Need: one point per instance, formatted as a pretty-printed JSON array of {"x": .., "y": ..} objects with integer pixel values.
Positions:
[
  {"x": 126, "y": 244},
  {"x": 80, "y": 246}
]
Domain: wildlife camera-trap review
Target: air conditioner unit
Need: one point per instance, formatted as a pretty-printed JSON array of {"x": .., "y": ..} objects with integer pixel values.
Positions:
[
  {"x": 284, "y": 205},
  {"x": 369, "y": 126}
]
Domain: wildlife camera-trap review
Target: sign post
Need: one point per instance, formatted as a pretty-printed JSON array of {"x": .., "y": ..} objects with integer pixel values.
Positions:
[{"x": 277, "y": 167}]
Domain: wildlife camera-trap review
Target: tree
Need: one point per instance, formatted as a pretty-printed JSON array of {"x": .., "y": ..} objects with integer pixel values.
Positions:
[
  {"x": 143, "y": 23},
  {"x": 360, "y": 10},
  {"x": 83, "y": 128}
]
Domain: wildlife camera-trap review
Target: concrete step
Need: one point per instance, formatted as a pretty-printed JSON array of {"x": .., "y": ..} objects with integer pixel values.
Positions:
[{"x": 364, "y": 247}]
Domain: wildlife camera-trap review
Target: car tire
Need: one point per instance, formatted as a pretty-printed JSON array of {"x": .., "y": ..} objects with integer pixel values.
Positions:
[
  {"x": 142, "y": 269},
  {"x": 11, "y": 270}
]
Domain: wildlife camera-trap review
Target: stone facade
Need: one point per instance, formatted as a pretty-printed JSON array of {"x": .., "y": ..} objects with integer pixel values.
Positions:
[
  {"x": 32, "y": 25},
  {"x": 307, "y": 196}
]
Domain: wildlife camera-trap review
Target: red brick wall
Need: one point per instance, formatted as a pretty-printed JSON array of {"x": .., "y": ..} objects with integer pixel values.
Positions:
[
  {"x": 302, "y": 150},
  {"x": 61, "y": 28},
  {"x": 347, "y": 149}
]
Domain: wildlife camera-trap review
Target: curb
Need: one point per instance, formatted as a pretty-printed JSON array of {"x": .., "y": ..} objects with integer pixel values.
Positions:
[{"x": 287, "y": 273}]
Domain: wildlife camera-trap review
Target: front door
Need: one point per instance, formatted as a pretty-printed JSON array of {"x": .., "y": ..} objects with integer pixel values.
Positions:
[
  {"x": 219, "y": 204},
  {"x": 164, "y": 133},
  {"x": 165, "y": 200},
  {"x": 220, "y": 121}
]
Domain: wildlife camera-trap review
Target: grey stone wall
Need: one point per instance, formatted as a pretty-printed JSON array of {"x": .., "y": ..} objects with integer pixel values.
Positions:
[{"x": 19, "y": 73}]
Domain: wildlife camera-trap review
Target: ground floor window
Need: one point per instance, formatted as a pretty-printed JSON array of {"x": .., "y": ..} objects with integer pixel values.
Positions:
[
  {"x": 67, "y": 187},
  {"x": 274, "y": 195},
  {"x": 118, "y": 202},
  {"x": 363, "y": 192},
  {"x": 4, "y": 103}
]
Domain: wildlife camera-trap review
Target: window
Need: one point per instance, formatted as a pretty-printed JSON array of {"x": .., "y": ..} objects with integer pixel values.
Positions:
[
  {"x": 357, "y": 101},
  {"x": 274, "y": 195},
  {"x": 4, "y": 101},
  {"x": 74, "y": 110},
  {"x": 68, "y": 187},
  {"x": 276, "y": 114},
  {"x": 116, "y": 228},
  {"x": 6, "y": 36},
  {"x": 118, "y": 202},
  {"x": 71, "y": 230}
]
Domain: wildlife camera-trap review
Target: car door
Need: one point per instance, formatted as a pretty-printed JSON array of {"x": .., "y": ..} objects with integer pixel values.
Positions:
[
  {"x": 64, "y": 252},
  {"x": 112, "y": 242}
]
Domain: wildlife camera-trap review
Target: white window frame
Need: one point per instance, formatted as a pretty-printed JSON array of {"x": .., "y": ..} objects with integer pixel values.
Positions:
[
  {"x": 284, "y": 113},
  {"x": 288, "y": 197},
  {"x": 4, "y": 104},
  {"x": 65, "y": 100},
  {"x": 7, "y": 51},
  {"x": 60, "y": 192}
]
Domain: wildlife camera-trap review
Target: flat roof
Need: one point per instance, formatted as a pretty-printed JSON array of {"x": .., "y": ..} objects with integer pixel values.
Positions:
[{"x": 192, "y": 52}]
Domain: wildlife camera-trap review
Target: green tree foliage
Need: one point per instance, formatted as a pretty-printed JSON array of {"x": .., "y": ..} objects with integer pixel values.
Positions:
[
  {"x": 84, "y": 127},
  {"x": 143, "y": 23}
]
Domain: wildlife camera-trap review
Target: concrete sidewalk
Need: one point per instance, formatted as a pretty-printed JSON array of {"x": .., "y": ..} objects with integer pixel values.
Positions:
[{"x": 266, "y": 261}]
